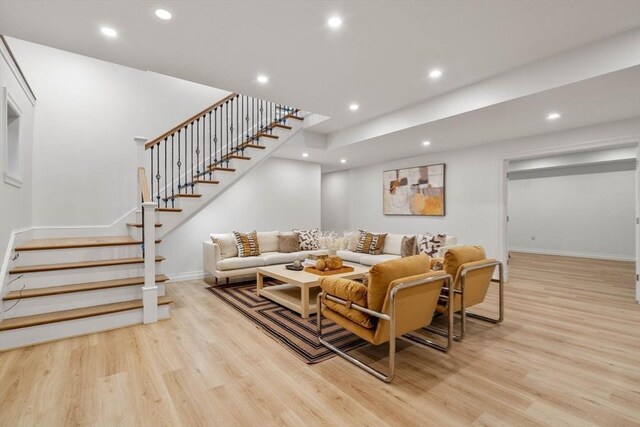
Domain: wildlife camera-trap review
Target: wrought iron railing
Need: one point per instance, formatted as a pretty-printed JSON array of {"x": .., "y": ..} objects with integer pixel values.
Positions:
[{"x": 196, "y": 148}]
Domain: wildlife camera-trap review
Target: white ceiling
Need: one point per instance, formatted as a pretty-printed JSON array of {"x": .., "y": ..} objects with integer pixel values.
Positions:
[
  {"x": 379, "y": 58},
  {"x": 606, "y": 98}
]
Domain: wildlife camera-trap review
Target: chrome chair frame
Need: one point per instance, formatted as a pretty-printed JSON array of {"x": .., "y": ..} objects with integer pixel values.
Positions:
[
  {"x": 391, "y": 318},
  {"x": 463, "y": 309}
]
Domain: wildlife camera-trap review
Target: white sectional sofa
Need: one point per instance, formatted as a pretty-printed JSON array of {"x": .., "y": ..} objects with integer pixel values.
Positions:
[{"x": 236, "y": 267}]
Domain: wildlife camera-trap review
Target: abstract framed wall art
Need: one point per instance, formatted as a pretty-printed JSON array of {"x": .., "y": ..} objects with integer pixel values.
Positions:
[{"x": 414, "y": 191}]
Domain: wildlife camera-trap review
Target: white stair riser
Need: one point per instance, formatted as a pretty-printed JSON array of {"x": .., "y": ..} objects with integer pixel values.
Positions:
[
  {"x": 80, "y": 275},
  {"x": 57, "y": 256},
  {"x": 54, "y": 331},
  {"x": 47, "y": 304}
]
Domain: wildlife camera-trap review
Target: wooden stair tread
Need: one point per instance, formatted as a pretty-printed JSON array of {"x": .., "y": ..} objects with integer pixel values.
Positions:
[
  {"x": 280, "y": 125},
  {"x": 139, "y": 225},
  {"x": 168, "y": 210},
  {"x": 249, "y": 145},
  {"x": 206, "y": 181},
  {"x": 76, "y": 313},
  {"x": 79, "y": 287},
  {"x": 188, "y": 195},
  {"x": 221, "y": 169},
  {"x": 236, "y": 156},
  {"x": 291, "y": 116},
  {"x": 82, "y": 264},
  {"x": 77, "y": 242},
  {"x": 267, "y": 135}
]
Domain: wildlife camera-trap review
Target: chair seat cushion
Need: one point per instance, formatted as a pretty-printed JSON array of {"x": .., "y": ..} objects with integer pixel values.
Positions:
[
  {"x": 235, "y": 263},
  {"x": 271, "y": 258},
  {"x": 364, "y": 333},
  {"x": 375, "y": 259}
]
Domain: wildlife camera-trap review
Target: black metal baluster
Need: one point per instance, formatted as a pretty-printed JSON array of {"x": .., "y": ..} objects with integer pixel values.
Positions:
[
  {"x": 227, "y": 131},
  {"x": 186, "y": 158},
  {"x": 173, "y": 182},
  {"x": 191, "y": 152},
  {"x": 237, "y": 122},
  {"x": 231, "y": 131},
  {"x": 166, "y": 200},
  {"x": 197, "y": 148},
  {"x": 210, "y": 143},
  {"x": 158, "y": 176},
  {"x": 179, "y": 162}
]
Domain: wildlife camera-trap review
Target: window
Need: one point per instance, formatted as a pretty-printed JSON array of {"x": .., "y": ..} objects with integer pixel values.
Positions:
[{"x": 12, "y": 173}]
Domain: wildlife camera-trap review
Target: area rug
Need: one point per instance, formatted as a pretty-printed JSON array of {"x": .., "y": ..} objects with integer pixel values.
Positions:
[{"x": 284, "y": 325}]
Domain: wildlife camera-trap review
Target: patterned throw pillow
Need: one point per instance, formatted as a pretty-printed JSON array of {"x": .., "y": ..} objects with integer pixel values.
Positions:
[
  {"x": 308, "y": 239},
  {"x": 226, "y": 243},
  {"x": 370, "y": 243},
  {"x": 288, "y": 243},
  {"x": 408, "y": 246},
  {"x": 431, "y": 243},
  {"x": 247, "y": 244}
]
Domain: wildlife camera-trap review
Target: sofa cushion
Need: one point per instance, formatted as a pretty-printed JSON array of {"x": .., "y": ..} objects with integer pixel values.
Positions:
[
  {"x": 455, "y": 257},
  {"x": 393, "y": 244},
  {"x": 349, "y": 256},
  {"x": 308, "y": 239},
  {"x": 237, "y": 263},
  {"x": 247, "y": 244},
  {"x": 271, "y": 258},
  {"x": 226, "y": 243},
  {"x": 382, "y": 274},
  {"x": 375, "y": 259},
  {"x": 288, "y": 243},
  {"x": 268, "y": 241}
]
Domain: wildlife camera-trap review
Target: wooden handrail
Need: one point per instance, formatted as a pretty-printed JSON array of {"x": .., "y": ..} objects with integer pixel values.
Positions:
[
  {"x": 157, "y": 140},
  {"x": 144, "y": 185}
]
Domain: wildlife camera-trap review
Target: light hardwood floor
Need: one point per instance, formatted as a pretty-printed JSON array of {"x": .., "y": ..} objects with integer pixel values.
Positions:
[{"x": 568, "y": 353}]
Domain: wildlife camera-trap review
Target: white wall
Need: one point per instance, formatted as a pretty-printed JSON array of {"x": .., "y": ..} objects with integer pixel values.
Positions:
[
  {"x": 88, "y": 112},
  {"x": 15, "y": 200},
  {"x": 580, "y": 211},
  {"x": 279, "y": 194},
  {"x": 335, "y": 202},
  {"x": 473, "y": 186}
]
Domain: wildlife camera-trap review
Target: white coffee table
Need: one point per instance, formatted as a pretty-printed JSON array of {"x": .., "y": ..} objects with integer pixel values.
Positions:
[{"x": 300, "y": 289}]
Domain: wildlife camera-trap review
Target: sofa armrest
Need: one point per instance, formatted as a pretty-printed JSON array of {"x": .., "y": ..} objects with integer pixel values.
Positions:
[{"x": 210, "y": 256}]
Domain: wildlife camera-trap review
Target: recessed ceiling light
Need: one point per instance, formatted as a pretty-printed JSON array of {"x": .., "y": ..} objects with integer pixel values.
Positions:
[
  {"x": 553, "y": 116},
  {"x": 262, "y": 79},
  {"x": 305, "y": 154},
  {"x": 109, "y": 32},
  {"x": 163, "y": 14},
  {"x": 343, "y": 160},
  {"x": 426, "y": 143},
  {"x": 335, "y": 22},
  {"x": 354, "y": 107},
  {"x": 434, "y": 74}
]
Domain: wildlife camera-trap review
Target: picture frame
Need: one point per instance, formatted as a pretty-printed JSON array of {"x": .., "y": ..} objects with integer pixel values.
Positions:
[{"x": 415, "y": 191}]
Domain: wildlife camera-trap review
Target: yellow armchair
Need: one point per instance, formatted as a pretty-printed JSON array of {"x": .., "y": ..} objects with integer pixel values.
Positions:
[
  {"x": 473, "y": 274},
  {"x": 401, "y": 297}
]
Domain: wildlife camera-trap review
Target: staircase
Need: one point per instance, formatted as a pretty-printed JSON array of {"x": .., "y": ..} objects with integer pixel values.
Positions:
[{"x": 58, "y": 287}]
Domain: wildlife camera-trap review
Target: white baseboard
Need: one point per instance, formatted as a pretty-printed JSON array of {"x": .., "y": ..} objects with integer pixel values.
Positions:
[
  {"x": 190, "y": 275},
  {"x": 611, "y": 257}
]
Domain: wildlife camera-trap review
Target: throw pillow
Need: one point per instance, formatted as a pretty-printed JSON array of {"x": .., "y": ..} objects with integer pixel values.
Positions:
[
  {"x": 247, "y": 244},
  {"x": 308, "y": 239},
  {"x": 268, "y": 241},
  {"x": 408, "y": 246},
  {"x": 431, "y": 243},
  {"x": 352, "y": 238},
  {"x": 226, "y": 243},
  {"x": 288, "y": 243},
  {"x": 370, "y": 243}
]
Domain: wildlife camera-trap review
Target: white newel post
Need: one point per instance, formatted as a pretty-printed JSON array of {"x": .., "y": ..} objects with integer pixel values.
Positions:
[{"x": 150, "y": 289}]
